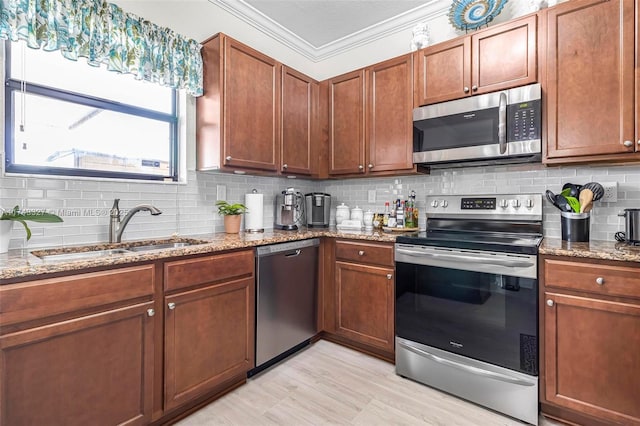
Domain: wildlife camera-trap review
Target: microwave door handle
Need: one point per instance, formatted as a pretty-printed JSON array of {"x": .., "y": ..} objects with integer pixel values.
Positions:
[{"x": 502, "y": 123}]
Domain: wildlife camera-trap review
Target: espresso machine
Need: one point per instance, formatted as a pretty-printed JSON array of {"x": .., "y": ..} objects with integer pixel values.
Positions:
[
  {"x": 317, "y": 209},
  {"x": 289, "y": 210}
]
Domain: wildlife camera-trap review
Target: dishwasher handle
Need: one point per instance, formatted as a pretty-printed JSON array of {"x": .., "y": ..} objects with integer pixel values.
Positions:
[{"x": 291, "y": 248}]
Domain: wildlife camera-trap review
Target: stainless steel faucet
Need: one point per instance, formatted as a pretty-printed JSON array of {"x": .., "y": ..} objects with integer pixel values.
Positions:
[{"x": 116, "y": 227}]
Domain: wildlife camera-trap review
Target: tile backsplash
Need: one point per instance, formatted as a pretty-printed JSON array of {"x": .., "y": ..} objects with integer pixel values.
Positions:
[{"x": 189, "y": 209}]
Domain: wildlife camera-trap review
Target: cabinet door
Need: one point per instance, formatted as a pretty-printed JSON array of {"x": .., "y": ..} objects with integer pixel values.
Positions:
[
  {"x": 251, "y": 108},
  {"x": 443, "y": 71},
  {"x": 97, "y": 368},
  {"x": 209, "y": 339},
  {"x": 299, "y": 95},
  {"x": 346, "y": 130},
  {"x": 504, "y": 56},
  {"x": 390, "y": 119},
  {"x": 591, "y": 357},
  {"x": 590, "y": 71},
  {"x": 365, "y": 304}
]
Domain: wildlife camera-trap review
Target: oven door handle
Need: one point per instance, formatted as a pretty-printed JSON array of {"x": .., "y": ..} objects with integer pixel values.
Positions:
[
  {"x": 474, "y": 370},
  {"x": 470, "y": 259}
]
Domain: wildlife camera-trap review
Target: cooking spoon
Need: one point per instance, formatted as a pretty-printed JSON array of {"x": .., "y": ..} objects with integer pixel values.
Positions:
[
  {"x": 586, "y": 200},
  {"x": 552, "y": 198},
  {"x": 571, "y": 190},
  {"x": 563, "y": 204}
]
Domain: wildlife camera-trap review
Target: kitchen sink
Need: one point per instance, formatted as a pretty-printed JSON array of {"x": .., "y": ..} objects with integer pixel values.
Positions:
[
  {"x": 162, "y": 246},
  {"x": 86, "y": 252},
  {"x": 51, "y": 255}
]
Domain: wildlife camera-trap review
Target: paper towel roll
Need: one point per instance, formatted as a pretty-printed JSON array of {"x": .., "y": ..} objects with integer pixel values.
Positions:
[{"x": 253, "y": 216}]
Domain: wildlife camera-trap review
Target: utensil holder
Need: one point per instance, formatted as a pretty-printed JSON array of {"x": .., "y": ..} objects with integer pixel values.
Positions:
[{"x": 575, "y": 226}]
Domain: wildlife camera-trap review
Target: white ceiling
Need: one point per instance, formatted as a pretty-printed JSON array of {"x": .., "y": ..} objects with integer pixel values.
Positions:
[{"x": 319, "y": 29}]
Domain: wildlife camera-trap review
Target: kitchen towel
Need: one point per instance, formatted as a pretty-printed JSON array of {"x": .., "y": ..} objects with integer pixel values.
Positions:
[{"x": 254, "y": 215}]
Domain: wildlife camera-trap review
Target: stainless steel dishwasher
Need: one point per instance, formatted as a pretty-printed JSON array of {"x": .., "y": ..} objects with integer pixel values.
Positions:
[{"x": 287, "y": 277}]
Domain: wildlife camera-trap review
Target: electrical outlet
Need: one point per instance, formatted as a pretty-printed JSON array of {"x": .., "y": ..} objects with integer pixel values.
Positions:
[
  {"x": 221, "y": 192},
  {"x": 610, "y": 192},
  {"x": 372, "y": 196}
]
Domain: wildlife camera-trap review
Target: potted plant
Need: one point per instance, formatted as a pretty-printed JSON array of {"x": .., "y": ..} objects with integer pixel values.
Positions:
[
  {"x": 15, "y": 215},
  {"x": 231, "y": 213}
]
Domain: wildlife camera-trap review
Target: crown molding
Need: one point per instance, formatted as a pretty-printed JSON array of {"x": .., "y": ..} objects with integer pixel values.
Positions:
[{"x": 247, "y": 13}]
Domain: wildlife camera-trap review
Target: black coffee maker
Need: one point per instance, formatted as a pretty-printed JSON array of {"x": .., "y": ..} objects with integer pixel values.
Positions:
[{"x": 318, "y": 208}]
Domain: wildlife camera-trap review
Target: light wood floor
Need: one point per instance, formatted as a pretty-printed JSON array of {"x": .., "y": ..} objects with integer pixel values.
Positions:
[{"x": 330, "y": 384}]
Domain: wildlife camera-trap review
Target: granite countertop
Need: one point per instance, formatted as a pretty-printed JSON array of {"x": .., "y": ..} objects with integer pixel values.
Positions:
[
  {"x": 21, "y": 264},
  {"x": 602, "y": 250}
]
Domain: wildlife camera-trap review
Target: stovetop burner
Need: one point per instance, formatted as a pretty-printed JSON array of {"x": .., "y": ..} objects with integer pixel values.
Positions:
[{"x": 507, "y": 223}]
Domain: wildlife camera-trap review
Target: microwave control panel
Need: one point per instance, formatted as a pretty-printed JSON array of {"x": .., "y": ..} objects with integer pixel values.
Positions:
[{"x": 523, "y": 121}]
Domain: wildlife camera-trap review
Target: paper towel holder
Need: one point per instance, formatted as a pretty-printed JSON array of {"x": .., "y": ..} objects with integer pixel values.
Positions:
[{"x": 253, "y": 224}]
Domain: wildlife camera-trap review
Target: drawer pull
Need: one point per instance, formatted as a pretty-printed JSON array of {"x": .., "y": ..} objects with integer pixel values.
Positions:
[
  {"x": 361, "y": 253},
  {"x": 151, "y": 312},
  {"x": 549, "y": 302},
  {"x": 600, "y": 281},
  {"x": 171, "y": 306},
  {"x": 389, "y": 276}
]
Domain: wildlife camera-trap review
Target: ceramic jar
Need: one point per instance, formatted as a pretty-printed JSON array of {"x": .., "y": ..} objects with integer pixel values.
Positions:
[
  {"x": 342, "y": 213},
  {"x": 357, "y": 214},
  {"x": 368, "y": 220}
]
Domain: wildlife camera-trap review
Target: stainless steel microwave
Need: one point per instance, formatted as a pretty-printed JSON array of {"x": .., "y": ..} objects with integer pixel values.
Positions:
[{"x": 494, "y": 128}]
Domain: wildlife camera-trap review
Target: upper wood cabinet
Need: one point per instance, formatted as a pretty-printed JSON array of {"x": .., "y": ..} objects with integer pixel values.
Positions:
[
  {"x": 370, "y": 114},
  {"x": 299, "y": 115},
  {"x": 497, "y": 58},
  {"x": 346, "y": 124},
  {"x": 591, "y": 100},
  {"x": 237, "y": 120}
]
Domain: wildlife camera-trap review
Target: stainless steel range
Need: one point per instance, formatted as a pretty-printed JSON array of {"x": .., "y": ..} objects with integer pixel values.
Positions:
[{"x": 467, "y": 300}]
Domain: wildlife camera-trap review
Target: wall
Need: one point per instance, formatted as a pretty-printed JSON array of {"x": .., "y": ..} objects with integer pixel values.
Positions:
[{"x": 529, "y": 178}]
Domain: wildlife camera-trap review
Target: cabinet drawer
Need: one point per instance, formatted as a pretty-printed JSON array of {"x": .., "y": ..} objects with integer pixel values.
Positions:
[
  {"x": 203, "y": 270},
  {"x": 379, "y": 254},
  {"x": 43, "y": 298},
  {"x": 601, "y": 279}
]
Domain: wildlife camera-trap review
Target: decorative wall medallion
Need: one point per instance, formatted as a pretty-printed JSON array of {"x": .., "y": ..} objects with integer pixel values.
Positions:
[{"x": 468, "y": 15}]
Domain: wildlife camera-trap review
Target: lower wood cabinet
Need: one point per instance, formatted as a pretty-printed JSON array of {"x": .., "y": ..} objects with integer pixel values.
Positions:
[
  {"x": 359, "y": 296},
  {"x": 365, "y": 301},
  {"x": 209, "y": 339},
  {"x": 591, "y": 341},
  {"x": 94, "y": 369}
]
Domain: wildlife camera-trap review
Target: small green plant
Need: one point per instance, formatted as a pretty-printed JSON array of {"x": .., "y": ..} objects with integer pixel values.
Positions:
[
  {"x": 35, "y": 216},
  {"x": 226, "y": 209}
]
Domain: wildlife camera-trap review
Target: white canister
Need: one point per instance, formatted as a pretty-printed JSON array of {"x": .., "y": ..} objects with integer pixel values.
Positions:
[
  {"x": 368, "y": 219},
  {"x": 342, "y": 213},
  {"x": 357, "y": 214}
]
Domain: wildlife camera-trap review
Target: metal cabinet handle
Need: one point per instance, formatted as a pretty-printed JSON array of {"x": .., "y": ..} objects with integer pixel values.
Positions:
[
  {"x": 600, "y": 281},
  {"x": 465, "y": 89},
  {"x": 549, "y": 302},
  {"x": 228, "y": 158},
  {"x": 361, "y": 252},
  {"x": 360, "y": 167},
  {"x": 389, "y": 276},
  {"x": 628, "y": 144},
  {"x": 284, "y": 166},
  {"x": 151, "y": 312},
  {"x": 171, "y": 306},
  {"x": 638, "y": 141},
  {"x": 474, "y": 88}
]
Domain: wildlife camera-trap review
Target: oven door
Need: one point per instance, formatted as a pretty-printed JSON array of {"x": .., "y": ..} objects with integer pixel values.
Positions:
[{"x": 478, "y": 304}]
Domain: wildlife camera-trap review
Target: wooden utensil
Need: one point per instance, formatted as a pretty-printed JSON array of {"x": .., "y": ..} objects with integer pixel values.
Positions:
[{"x": 586, "y": 200}]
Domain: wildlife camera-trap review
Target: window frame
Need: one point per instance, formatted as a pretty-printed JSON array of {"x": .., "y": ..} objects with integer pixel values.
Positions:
[{"x": 13, "y": 87}]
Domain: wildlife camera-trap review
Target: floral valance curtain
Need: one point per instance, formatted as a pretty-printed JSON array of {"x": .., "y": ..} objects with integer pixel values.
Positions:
[{"x": 104, "y": 34}]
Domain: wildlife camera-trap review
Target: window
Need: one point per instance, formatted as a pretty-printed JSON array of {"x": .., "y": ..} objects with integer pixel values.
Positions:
[{"x": 69, "y": 118}]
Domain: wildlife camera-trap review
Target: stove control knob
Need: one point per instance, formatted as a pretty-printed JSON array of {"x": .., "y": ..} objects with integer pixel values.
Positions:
[
  {"x": 434, "y": 203},
  {"x": 529, "y": 203},
  {"x": 444, "y": 204},
  {"x": 515, "y": 203},
  {"x": 504, "y": 204}
]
